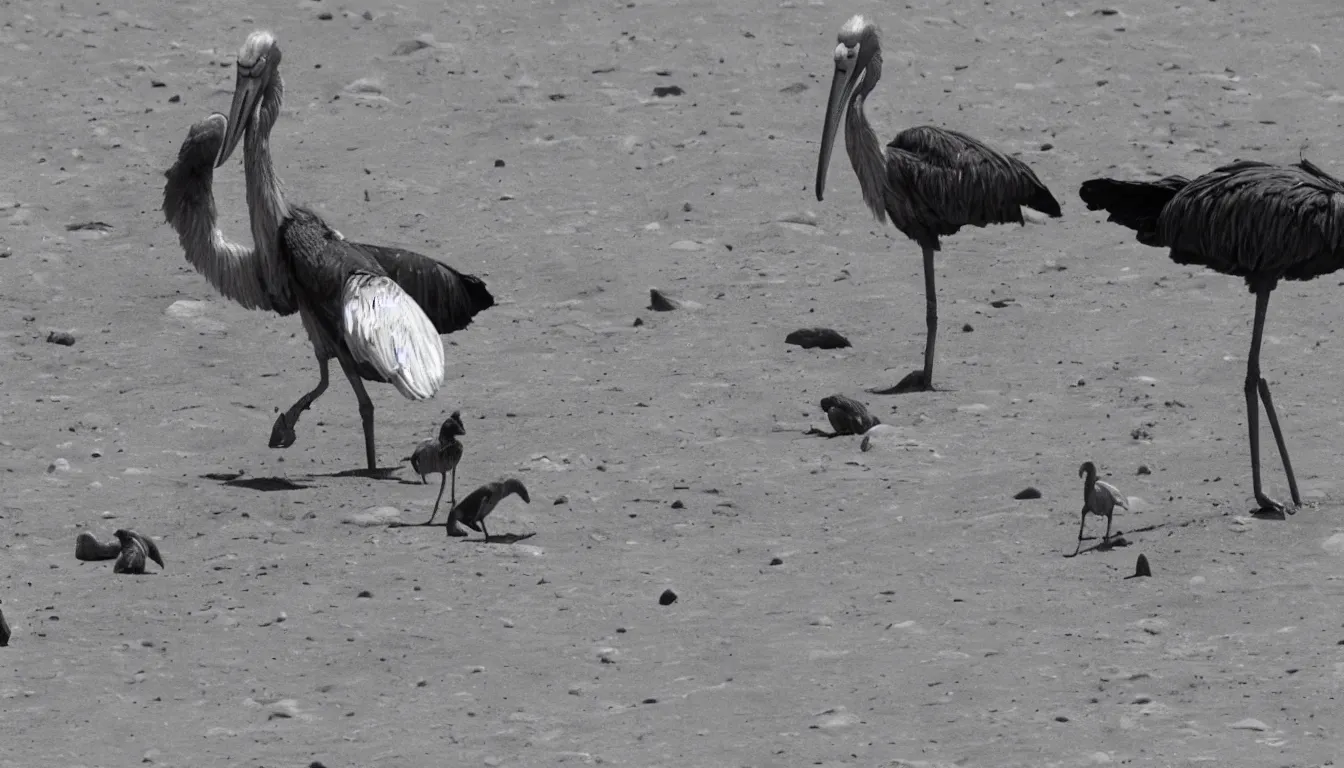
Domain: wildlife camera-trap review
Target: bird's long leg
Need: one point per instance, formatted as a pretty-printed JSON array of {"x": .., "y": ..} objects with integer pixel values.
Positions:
[
  {"x": 1253, "y": 404},
  {"x": 922, "y": 381},
  {"x": 439, "y": 498},
  {"x": 1263, "y": 386},
  {"x": 365, "y": 410},
  {"x": 1082, "y": 523},
  {"x": 282, "y": 433},
  {"x": 1107, "y": 536},
  {"x": 485, "y": 531}
]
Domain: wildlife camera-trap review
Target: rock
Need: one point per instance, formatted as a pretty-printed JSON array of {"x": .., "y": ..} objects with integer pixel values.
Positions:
[
  {"x": 836, "y": 719},
  {"x": 499, "y": 163},
  {"x": 1334, "y": 545},
  {"x": 663, "y": 91},
  {"x": 64, "y": 338},
  {"x": 407, "y": 47},
  {"x": 324, "y": 16},
  {"x": 59, "y": 465},
  {"x": 686, "y": 245},
  {"x": 661, "y": 302},
  {"x": 807, "y": 218},
  {"x": 364, "y": 593},
  {"x": 817, "y": 338},
  {"x": 1144, "y": 470},
  {"x": 776, "y": 561},
  {"x": 1249, "y": 724},
  {"x": 365, "y": 85},
  {"x": 667, "y": 598},
  {"x": 372, "y": 516},
  {"x": 1030, "y": 492},
  {"x": 967, "y": 328},
  {"x": 89, "y": 549}
]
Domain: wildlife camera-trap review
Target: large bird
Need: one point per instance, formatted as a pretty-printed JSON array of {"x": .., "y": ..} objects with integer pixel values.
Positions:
[
  {"x": 379, "y": 311},
  {"x": 1260, "y": 222},
  {"x": 930, "y": 181}
]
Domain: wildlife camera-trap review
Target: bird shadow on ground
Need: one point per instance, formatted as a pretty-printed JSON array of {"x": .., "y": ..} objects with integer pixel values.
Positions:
[
  {"x": 236, "y": 480},
  {"x": 382, "y": 473},
  {"x": 814, "y": 432},
  {"x": 505, "y": 538}
]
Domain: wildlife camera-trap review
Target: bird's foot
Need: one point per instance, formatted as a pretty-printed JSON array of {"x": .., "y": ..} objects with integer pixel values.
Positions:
[
  {"x": 453, "y": 530},
  {"x": 282, "y": 434},
  {"x": 915, "y": 381},
  {"x": 1271, "y": 509}
]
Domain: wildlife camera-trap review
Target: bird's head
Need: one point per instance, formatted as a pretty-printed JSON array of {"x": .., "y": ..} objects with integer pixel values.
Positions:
[
  {"x": 123, "y": 536},
  {"x": 857, "y": 58},
  {"x": 453, "y": 427},
  {"x": 514, "y": 485},
  {"x": 190, "y": 177},
  {"x": 1087, "y": 468},
  {"x": 258, "y": 66}
]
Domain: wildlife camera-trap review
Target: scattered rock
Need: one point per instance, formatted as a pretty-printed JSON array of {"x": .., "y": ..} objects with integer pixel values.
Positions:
[
  {"x": 365, "y": 85},
  {"x": 667, "y": 598},
  {"x": 89, "y": 549},
  {"x": 836, "y": 719},
  {"x": 1141, "y": 568},
  {"x": 1249, "y": 724},
  {"x": 1144, "y": 470},
  {"x": 364, "y": 593},
  {"x": 561, "y": 499},
  {"x": 663, "y": 91},
  {"x": 776, "y": 561},
  {"x": 407, "y": 47},
  {"x": 1030, "y": 492},
  {"x": 499, "y": 163},
  {"x": 324, "y": 16},
  {"x": 372, "y": 516},
  {"x": 1001, "y": 303},
  {"x": 661, "y": 302},
  {"x": 64, "y": 338},
  {"x": 678, "y": 504},
  {"x": 883, "y": 436},
  {"x": 817, "y": 338},
  {"x": 59, "y": 465},
  {"x": 966, "y": 328},
  {"x": 807, "y": 218}
]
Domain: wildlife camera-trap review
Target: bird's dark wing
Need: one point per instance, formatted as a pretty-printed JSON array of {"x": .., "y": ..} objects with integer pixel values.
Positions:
[
  {"x": 153, "y": 550},
  {"x": 1136, "y": 205},
  {"x": 1260, "y": 221},
  {"x": 953, "y": 180},
  {"x": 450, "y": 298}
]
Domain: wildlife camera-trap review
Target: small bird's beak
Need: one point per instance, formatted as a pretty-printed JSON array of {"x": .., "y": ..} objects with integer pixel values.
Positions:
[
  {"x": 246, "y": 92},
  {"x": 842, "y": 85}
]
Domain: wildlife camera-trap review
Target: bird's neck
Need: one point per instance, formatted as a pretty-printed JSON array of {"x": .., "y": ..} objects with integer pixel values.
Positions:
[
  {"x": 865, "y": 149},
  {"x": 192, "y": 213},
  {"x": 265, "y": 193}
]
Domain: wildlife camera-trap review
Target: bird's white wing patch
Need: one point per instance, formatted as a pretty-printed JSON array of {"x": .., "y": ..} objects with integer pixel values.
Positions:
[
  {"x": 1119, "y": 498},
  {"x": 385, "y": 328}
]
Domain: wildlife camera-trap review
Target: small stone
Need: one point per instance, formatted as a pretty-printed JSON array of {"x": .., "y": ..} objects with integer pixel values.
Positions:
[
  {"x": 607, "y": 655},
  {"x": 776, "y": 561},
  {"x": 1047, "y": 146},
  {"x": 807, "y": 218},
  {"x": 64, "y": 338},
  {"x": 364, "y": 593},
  {"x": 324, "y": 16},
  {"x": 1144, "y": 470},
  {"x": 1249, "y": 724},
  {"x": 966, "y": 328},
  {"x": 649, "y": 701},
  {"x": 367, "y": 15},
  {"x": 661, "y": 302},
  {"x": 561, "y": 499},
  {"x": 663, "y": 91},
  {"x": 685, "y": 207},
  {"x": 59, "y": 465},
  {"x": 822, "y": 621},
  {"x": 639, "y": 322},
  {"x": 285, "y": 708},
  {"x": 365, "y": 85},
  {"x": 678, "y": 505},
  {"x": 817, "y": 338},
  {"x": 667, "y": 598},
  {"x": 499, "y": 163},
  {"x": 508, "y": 623},
  {"x": 1030, "y": 492}
]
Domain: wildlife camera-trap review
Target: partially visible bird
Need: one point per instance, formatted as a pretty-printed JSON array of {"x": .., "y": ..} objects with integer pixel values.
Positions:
[
  {"x": 379, "y": 311},
  {"x": 847, "y": 415},
  {"x": 1100, "y": 498},
  {"x": 134, "y": 549},
  {"x": 930, "y": 181},
  {"x": 441, "y": 456},
  {"x": 1260, "y": 222},
  {"x": 4, "y": 630},
  {"x": 481, "y": 502}
]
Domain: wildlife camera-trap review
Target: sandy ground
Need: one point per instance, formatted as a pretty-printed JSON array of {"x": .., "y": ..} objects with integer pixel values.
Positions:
[{"x": 919, "y": 612}]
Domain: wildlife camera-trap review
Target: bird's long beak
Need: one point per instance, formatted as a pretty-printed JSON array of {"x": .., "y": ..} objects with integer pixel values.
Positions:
[
  {"x": 246, "y": 92},
  {"x": 842, "y": 85}
]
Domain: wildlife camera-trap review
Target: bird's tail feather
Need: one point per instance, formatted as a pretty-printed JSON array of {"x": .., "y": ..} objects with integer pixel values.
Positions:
[
  {"x": 1045, "y": 202},
  {"x": 386, "y": 329},
  {"x": 1136, "y": 205}
]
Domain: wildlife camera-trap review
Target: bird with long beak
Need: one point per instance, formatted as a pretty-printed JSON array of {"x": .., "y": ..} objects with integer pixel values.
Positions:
[{"x": 929, "y": 181}]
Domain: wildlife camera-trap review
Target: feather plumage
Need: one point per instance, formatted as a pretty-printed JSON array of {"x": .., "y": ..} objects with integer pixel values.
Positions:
[{"x": 385, "y": 328}]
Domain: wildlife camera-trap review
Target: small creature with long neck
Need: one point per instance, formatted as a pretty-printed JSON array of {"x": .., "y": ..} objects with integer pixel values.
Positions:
[
  {"x": 441, "y": 456},
  {"x": 481, "y": 502},
  {"x": 1100, "y": 498}
]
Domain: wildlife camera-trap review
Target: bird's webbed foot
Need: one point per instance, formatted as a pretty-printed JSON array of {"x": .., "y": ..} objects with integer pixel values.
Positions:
[
  {"x": 915, "y": 381},
  {"x": 282, "y": 434}
]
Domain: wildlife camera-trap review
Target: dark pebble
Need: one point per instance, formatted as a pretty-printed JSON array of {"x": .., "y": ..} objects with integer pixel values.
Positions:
[
  {"x": 659, "y": 301},
  {"x": 365, "y": 593},
  {"x": 1047, "y": 146},
  {"x": 664, "y": 91},
  {"x": 817, "y": 338},
  {"x": 324, "y": 16},
  {"x": 175, "y": 98},
  {"x": 63, "y": 338},
  {"x": 1144, "y": 470},
  {"x": 967, "y": 328},
  {"x": 649, "y": 701},
  {"x": 667, "y": 598},
  {"x": 776, "y": 561},
  {"x": 678, "y": 505},
  {"x": 1030, "y": 492},
  {"x": 639, "y": 321}
]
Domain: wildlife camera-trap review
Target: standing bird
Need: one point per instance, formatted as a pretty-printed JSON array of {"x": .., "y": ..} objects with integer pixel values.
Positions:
[
  {"x": 481, "y": 502},
  {"x": 379, "y": 311},
  {"x": 1100, "y": 498},
  {"x": 134, "y": 549},
  {"x": 847, "y": 415},
  {"x": 1256, "y": 221},
  {"x": 930, "y": 181},
  {"x": 441, "y": 455}
]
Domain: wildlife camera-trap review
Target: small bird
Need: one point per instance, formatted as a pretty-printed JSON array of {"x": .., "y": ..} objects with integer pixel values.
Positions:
[
  {"x": 441, "y": 455},
  {"x": 134, "y": 549},
  {"x": 848, "y": 416},
  {"x": 4, "y": 630},
  {"x": 1100, "y": 498},
  {"x": 481, "y": 502}
]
